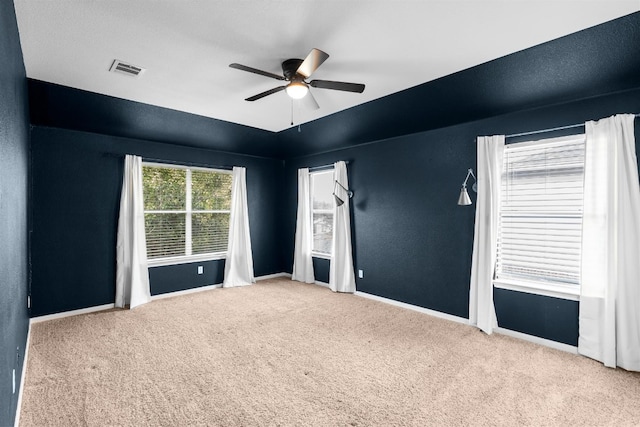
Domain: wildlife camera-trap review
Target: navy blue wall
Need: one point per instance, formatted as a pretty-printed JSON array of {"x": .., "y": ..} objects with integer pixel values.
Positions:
[
  {"x": 68, "y": 108},
  {"x": 321, "y": 269},
  {"x": 181, "y": 277},
  {"x": 599, "y": 60},
  {"x": 76, "y": 184},
  {"x": 409, "y": 236},
  {"x": 14, "y": 165}
]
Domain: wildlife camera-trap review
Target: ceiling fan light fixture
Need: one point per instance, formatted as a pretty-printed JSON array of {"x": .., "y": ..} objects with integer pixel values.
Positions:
[
  {"x": 297, "y": 90},
  {"x": 295, "y": 71}
]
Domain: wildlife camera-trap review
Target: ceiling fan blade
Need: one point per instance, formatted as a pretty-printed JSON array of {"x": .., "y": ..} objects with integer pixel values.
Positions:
[
  {"x": 255, "y": 71},
  {"x": 314, "y": 59},
  {"x": 328, "y": 84},
  {"x": 266, "y": 93},
  {"x": 309, "y": 102}
]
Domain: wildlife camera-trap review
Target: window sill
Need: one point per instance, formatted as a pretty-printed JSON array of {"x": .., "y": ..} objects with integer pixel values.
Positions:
[
  {"x": 160, "y": 262},
  {"x": 568, "y": 292},
  {"x": 321, "y": 255}
]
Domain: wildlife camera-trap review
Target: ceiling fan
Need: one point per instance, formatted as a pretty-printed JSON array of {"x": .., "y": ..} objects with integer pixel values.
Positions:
[{"x": 296, "y": 71}]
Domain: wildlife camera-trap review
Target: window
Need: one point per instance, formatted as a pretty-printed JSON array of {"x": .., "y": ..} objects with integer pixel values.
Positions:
[
  {"x": 540, "y": 222},
  {"x": 321, "y": 184},
  {"x": 186, "y": 212}
]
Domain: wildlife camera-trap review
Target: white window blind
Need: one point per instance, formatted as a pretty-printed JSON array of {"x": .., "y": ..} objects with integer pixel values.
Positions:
[{"x": 540, "y": 226}]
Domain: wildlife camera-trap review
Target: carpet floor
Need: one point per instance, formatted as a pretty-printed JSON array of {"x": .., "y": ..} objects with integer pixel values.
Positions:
[{"x": 281, "y": 353}]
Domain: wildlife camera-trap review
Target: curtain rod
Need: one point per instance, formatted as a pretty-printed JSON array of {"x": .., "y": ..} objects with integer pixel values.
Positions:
[
  {"x": 317, "y": 168},
  {"x": 178, "y": 163},
  {"x": 171, "y": 162},
  {"x": 551, "y": 129}
]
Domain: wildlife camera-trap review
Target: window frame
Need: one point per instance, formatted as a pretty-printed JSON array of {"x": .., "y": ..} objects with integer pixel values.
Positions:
[
  {"x": 188, "y": 211},
  {"x": 552, "y": 289},
  {"x": 314, "y": 253}
]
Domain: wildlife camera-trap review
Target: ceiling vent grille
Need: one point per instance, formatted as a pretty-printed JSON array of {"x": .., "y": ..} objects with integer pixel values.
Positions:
[{"x": 123, "y": 68}]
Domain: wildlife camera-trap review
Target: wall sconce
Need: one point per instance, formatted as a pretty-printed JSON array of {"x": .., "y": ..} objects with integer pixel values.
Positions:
[
  {"x": 464, "y": 199},
  {"x": 339, "y": 200}
]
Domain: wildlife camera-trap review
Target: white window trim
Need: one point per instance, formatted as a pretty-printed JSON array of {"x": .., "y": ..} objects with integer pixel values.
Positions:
[
  {"x": 568, "y": 292},
  {"x": 159, "y": 262},
  {"x": 322, "y": 255},
  {"x": 189, "y": 257},
  {"x": 193, "y": 168}
]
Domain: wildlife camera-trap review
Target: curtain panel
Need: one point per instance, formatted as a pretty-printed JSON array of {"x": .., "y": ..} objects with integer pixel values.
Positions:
[
  {"x": 132, "y": 273},
  {"x": 302, "y": 260},
  {"x": 341, "y": 274},
  {"x": 609, "y": 321},
  {"x": 238, "y": 266},
  {"x": 481, "y": 309}
]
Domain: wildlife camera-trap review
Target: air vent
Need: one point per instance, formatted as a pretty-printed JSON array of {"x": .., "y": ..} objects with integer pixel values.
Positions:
[{"x": 123, "y": 68}]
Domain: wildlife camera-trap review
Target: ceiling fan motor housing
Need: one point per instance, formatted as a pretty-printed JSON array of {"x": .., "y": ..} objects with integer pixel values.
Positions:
[{"x": 290, "y": 68}]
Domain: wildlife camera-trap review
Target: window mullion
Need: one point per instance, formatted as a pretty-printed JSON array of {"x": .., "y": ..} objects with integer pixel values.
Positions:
[{"x": 188, "y": 237}]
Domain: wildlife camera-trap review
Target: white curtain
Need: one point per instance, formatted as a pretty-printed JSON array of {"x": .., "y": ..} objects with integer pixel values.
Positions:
[
  {"x": 609, "y": 321},
  {"x": 238, "y": 267},
  {"x": 302, "y": 261},
  {"x": 341, "y": 275},
  {"x": 481, "y": 310},
  {"x": 132, "y": 273}
]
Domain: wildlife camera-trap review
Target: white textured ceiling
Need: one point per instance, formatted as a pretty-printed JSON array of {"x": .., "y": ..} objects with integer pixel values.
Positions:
[{"x": 187, "y": 45}]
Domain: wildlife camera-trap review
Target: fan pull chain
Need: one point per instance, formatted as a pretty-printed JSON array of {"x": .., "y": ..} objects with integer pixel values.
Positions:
[{"x": 299, "y": 129}]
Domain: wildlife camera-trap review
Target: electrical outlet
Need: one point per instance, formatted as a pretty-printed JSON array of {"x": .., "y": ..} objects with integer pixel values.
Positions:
[
  {"x": 200, "y": 269},
  {"x": 360, "y": 274}
]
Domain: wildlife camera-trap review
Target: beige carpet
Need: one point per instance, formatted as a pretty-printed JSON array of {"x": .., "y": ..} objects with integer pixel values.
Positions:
[{"x": 281, "y": 353}]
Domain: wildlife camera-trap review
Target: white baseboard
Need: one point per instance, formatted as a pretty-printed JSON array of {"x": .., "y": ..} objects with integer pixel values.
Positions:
[
  {"x": 419, "y": 309},
  {"x": 185, "y": 291},
  {"x": 273, "y": 276},
  {"x": 319, "y": 283},
  {"x": 537, "y": 340},
  {"x": 508, "y": 332},
  {"x": 23, "y": 376},
  {"x": 210, "y": 287},
  {"x": 72, "y": 313},
  {"x": 153, "y": 297}
]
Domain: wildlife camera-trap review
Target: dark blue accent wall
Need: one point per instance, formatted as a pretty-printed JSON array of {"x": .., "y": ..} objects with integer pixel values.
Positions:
[
  {"x": 172, "y": 278},
  {"x": 77, "y": 177},
  {"x": 409, "y": 236},
  {"x": 321, "y": 268},
  {"x": 69, "y": 108},
  {"x": 542, "y": 316},
  {"x": 599, "y": 60},
  {"x": 14, "y": 165}
]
